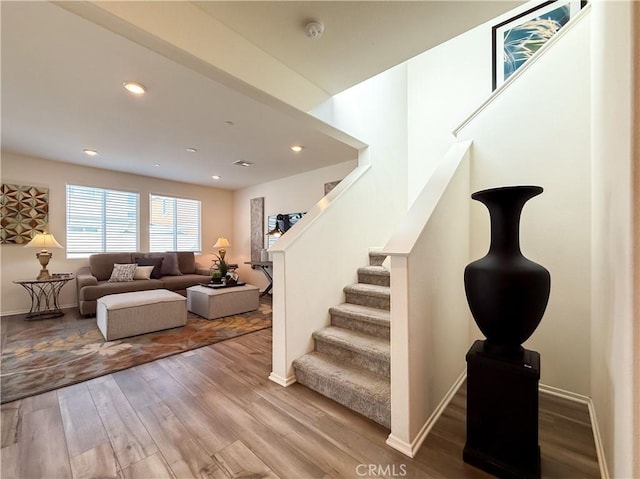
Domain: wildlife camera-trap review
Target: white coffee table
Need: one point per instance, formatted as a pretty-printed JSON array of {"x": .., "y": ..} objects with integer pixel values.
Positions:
[{"x": 213, "y": 303}]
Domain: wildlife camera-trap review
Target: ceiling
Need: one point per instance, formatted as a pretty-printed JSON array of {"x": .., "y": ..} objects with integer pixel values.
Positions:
[
  {"x": 62, "y": 75},
  {"x": 360, "y": 39}
]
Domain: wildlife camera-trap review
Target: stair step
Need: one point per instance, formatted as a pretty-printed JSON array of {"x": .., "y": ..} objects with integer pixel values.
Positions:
[
  {"x": 372, "y": 295},
  {"x": 373, "y": 321},
  {"x": 354, "y": 387},
  {"x": 369, "y": 352},
  {"x": 374, "y": 275},
  {"x": 376, "y": 258}
]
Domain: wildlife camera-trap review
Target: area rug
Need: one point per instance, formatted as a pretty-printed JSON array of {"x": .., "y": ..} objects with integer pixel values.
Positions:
[{"x": 39, "y": 356}]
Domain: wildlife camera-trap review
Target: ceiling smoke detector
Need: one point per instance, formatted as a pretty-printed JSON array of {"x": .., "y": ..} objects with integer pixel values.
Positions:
[{"x": 314, "y": 29}]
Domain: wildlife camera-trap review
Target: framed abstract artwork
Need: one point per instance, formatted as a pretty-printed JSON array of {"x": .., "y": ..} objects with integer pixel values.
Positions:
[
  {"x": 329, "y": 186},
  {"x": 517, "y": 39},
  {"x": 25, "y": 211}
]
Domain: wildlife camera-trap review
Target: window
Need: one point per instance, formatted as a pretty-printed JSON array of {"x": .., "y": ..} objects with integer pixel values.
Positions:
[
  {"x": 175, "y": 224},
  {"x": 100, "y": 221}
]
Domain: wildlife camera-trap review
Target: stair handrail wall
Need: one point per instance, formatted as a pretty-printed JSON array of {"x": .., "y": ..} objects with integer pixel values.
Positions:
[
  {"x": 429, "y": 314},
  {"x": 523, "y": 69},
  {"x": 312, "y": 262}
]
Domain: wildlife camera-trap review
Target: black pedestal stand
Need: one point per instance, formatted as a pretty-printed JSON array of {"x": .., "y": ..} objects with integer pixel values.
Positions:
[{"x": 502, "y": 413}]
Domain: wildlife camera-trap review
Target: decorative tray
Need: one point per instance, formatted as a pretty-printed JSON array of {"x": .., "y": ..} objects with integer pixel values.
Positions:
[{"x": 222, "y": 286}]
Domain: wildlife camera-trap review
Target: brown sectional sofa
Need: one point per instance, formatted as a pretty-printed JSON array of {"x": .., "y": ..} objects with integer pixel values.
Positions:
[{"x": 93, "y": 280}]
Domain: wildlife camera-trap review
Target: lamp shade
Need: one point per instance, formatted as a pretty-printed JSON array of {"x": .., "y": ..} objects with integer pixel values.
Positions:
[
  {"x": 222, "y": 243},
  {"x": 43, "y": 241}
]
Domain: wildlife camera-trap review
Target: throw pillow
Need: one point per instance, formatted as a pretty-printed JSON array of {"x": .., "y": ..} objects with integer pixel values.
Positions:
[
  {"x": 169, "y": 263},
  {"x": 143, "y": 272},
  {"x": 122, "y": 272},
  {"x": 155, "y": 262}
]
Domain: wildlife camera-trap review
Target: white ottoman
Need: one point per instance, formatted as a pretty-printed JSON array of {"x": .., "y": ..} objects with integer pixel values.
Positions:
[
  {"x": 139, "y": 312},
  {"x": 213, "y": 303}
]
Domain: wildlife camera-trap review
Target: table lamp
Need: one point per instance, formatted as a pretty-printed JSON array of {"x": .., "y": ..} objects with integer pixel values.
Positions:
[
  {"x": 222, "y": 243},
  {"x": 43, "y": 241}
]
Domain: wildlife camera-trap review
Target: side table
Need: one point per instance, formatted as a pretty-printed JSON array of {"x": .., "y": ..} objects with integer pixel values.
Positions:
[
  {"x": 44, "y": 295},
  {"x": 263, "y": 266}
]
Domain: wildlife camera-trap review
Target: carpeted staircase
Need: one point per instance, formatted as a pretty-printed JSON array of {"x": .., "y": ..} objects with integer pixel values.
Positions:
[{"x": 351, "y": 360}]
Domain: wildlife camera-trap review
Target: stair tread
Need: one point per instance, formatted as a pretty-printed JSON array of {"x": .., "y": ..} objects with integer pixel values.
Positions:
[
  {"x": 367, "y": 313},
  {"x": 369, "y": 289},
  {"x": 360, "y": 380},
  {"x": 377, "y": 270},
  {"x": 361, "y": 343}
]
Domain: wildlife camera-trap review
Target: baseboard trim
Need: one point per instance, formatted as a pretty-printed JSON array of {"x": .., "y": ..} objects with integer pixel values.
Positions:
[
  {"x": 411, "y": 449},
  {"x": 400, "y": 446},
  {"x": 562, "y": 393},
  {"x": 276, "y": 378},
  {"x": 602, "y": 461},
  {"x": 63, "y": 307},
  {"x": 597, "y": 438}
]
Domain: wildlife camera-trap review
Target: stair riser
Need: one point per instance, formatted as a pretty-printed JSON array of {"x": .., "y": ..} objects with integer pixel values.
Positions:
[
  {"x": 379, "y": 279},
  {"x": 368, "y": 300},
  {"x": 361, "y": 326},
  {"x": 380, "y": 413},
  {"x": 373, "y": 364}
]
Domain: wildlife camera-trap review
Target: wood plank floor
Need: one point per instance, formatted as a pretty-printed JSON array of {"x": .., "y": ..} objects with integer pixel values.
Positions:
[{"x": 212, "y": 413}]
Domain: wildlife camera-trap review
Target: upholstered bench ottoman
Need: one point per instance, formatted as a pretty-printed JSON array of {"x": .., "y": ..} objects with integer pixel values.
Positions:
[
  {"x": 128, "y": 314},
  {"x": 213, "y": 303}
]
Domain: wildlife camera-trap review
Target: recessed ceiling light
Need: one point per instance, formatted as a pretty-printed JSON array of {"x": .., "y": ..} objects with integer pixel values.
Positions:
[
  {"x": 297, "y": 148},
  {"x": 242, "y": 163},
  {"x": 89, "y": 152},
  {"x": 229, "y": 123},
  {"x": 215, "y": 177},
  {"x": 191, "y": 150},
  {"x": 157, "y": 165},
  {"x": 134, "y": 87}
]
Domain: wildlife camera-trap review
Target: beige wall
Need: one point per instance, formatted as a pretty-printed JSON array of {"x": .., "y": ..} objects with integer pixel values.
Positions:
[
  {"x": 636, "y": 235},
  {"x": 293, "y": 194},
  {"x": 613, "y": 290},
  {"x": 18, "y": 262}
]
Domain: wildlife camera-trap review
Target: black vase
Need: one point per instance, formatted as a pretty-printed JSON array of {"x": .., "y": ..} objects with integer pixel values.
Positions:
[{"x": 507, "y": 293}]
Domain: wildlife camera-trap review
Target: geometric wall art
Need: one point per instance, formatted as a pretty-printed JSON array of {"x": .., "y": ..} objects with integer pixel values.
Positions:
[{"x": 24, "y": 211}]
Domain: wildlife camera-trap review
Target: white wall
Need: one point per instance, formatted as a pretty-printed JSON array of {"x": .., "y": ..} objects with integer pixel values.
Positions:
[
  {"x": 18, "y": 262},
  {"x": 612, "y": 249},
  {"x": 293, "y": 194},
  {"x": 364, "y": 213},
  {"x": 537, "y": 132},
  {"x": 429, "y": 314},
  {"x": 445, "y": 84},
  {"x": 375, "y": 112}
]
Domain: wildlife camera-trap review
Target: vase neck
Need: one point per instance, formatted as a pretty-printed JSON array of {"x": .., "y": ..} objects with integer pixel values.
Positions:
[
  {"x": 505, "y": 207},
  {"x": 505, "y": 229}
]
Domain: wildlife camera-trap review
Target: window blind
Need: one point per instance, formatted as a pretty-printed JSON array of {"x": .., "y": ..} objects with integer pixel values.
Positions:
[
  {"x": 175, "y": 224},
  {"x": 100, "y": 221}
]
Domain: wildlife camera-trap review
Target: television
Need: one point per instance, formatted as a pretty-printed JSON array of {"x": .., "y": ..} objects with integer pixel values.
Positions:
[{"x": 284, "y": 223}]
